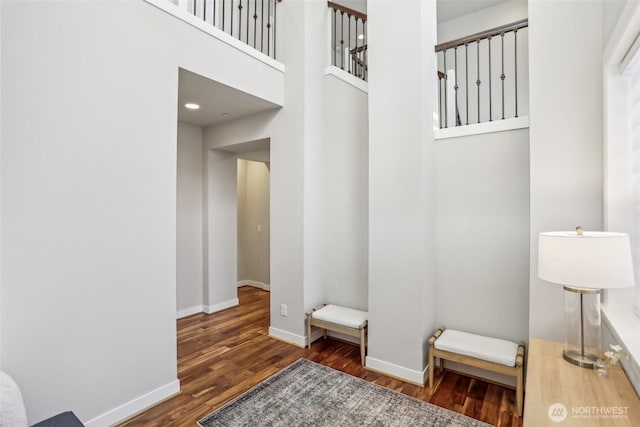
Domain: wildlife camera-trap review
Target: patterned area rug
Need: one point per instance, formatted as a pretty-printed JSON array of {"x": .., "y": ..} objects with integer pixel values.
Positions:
[{"x": 308, "y": 394}]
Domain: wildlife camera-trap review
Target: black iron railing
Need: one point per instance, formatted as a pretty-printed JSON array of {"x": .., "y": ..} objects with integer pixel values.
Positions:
[
  {"x": 349, "y": 40},
  {"x": 253, "y": 22},
  {"x": 481, "y": 57}
]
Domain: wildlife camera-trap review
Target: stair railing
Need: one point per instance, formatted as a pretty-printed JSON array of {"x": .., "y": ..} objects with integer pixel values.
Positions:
[
  {"x": 487, "y": 69},
  {"x": 253, "y": 22},
  {"x": 349, "y": 40}
]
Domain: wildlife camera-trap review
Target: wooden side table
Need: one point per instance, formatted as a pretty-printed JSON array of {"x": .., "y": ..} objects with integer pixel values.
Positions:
[{"x": 558, "y": 393}]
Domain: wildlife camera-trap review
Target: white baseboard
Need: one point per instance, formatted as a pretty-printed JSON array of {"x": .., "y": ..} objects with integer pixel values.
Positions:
[
  {"x": 259, "y": 285},
  {"x": 189, "y": 311},
  {"x": 297, "y": 340},
  {"x": 396, "y": 371},
  {"x": 220, "y": 306},
  {"x": 135, "y": 406}
]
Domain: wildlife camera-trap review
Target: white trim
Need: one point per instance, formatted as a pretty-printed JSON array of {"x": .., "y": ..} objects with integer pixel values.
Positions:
[
  {"x": 209, "y": 309},
  {"x": 255, "y": 284},
  {"x": 189, "y": 311},
  {"x": 201, "y": 25},
  {"x": 624, "y": 34},
  {"x": 135, "y": 406},
  {"x": 400, "y": 372},
  {"x": 480, "y": 128},
  {"x": 620, "y": 320},
  {"x": 297, "y": 340},
  {"x": 347, "y": 78}
]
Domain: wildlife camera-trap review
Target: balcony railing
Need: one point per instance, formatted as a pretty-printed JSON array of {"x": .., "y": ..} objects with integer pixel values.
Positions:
[
  {"x": 253, "y": 22},
  {"x": 488, "y": 60},
  {"x": 349, "y": 40}
]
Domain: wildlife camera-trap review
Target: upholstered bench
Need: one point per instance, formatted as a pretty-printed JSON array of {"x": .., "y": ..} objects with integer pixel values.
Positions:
[
  {"x": 339, "y": 319},
  {"x": 492, "y": 354}
]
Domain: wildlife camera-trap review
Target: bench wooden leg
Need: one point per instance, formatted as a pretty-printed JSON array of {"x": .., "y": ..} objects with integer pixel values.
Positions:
[
  {"x": 309, "y": 331},
  {"x": 432, "y": 362},
  {"x": 431, "y": 358},
  {"x": 519, "y": 391},
  {"x": 520, "y": 378},
  {"x": 362, "y": 345}
]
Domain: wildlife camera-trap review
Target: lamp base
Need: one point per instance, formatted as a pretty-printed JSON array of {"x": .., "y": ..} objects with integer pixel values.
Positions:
[{"x": 586, "y": 360}]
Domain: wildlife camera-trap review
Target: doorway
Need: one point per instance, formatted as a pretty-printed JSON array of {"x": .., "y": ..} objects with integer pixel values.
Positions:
[{"x": 253, "y": 221}]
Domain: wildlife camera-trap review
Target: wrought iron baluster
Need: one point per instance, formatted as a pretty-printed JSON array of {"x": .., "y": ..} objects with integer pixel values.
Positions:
[
  {"x": 455, "y": 86},
  {"x": 240, "y": 20},
  {"x": 213, "y": 22},
  {"x": 349, "y": 41},
  {"x": 440, "y": 100},
  {"x": 248, "y": 10},
  {"x": 334, "y": 41},
  {"x": 356, "y": 51},
  {"x": 194, "y": 8},
  {"x": 364, "y": 46},
  {"x": 255, "y": 22},
  {"x": 269, "y": 27},
  {"x": 490, "y": 119},
  {"x": 446, "y": 89},
  {"x": 515, "y": 62},
  {"x": 223, "y": 3},
  {"x": 466, "y": 78},
  {"x": 502, "y": 76},
  {"x": 262, "y": 28},
  {"x": 478, "y": 74},
  {"x": 204, "y": 10},
  {"x": 275, "y": 25},
  {"x": 342, "y": 40},
  {"x": 231, "y": 10}
]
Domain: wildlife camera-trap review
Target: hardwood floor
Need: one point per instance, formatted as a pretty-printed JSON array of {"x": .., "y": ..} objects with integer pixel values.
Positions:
[{"x": 222, "y": 355}]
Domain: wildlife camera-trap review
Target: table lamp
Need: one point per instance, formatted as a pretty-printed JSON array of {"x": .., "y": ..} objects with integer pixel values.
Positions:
[{"x": 584, "y": 263}]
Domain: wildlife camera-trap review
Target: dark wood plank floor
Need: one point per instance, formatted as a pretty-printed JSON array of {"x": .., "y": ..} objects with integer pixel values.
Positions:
[{"x": 222, "y": 355}]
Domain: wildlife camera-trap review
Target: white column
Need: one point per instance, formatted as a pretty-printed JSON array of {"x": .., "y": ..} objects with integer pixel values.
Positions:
[{"x": 401, "y": 186}]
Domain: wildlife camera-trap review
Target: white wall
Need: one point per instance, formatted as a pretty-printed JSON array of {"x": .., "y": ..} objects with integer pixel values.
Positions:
[
  {"x": 89, "y": 198},
  {"x": 253, "y": 221},
  {"x": 220, "y": 229},
  {"x": 189, "y": 195},
  {"x": 346, "y": 147},
  {"x": 482, "y": 217},
  {"x": 1, "y": 186},
  {"x": 315, "y": 161},
  {"x": 565, "y": 138},
  {"x": 402, "y": 286}
]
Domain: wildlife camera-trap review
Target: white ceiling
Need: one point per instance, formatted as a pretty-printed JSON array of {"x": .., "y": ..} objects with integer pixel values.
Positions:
[
  {"x": 450, "y": 9},
  {"x": 215, "y": 99}
]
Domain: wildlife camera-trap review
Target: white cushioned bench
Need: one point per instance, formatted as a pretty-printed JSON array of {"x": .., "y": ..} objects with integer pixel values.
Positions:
[
  {"x": 344, "y": 320},
  {"x": 492, "y": 354}
]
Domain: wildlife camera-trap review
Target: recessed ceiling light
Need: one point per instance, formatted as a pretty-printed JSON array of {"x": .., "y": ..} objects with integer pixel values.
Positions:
[
  {"x": 192, "y": 106},
  {"x": 360, "y": 36},
  {"x": 225, "y": 115}
]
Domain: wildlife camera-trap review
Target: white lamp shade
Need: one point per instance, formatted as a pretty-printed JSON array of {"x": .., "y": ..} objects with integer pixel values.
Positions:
[{"x": 596, "y": 259}]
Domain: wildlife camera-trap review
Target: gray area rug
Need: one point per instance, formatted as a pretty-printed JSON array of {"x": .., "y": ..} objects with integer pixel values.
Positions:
[{"x": 308, "y": 394}]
